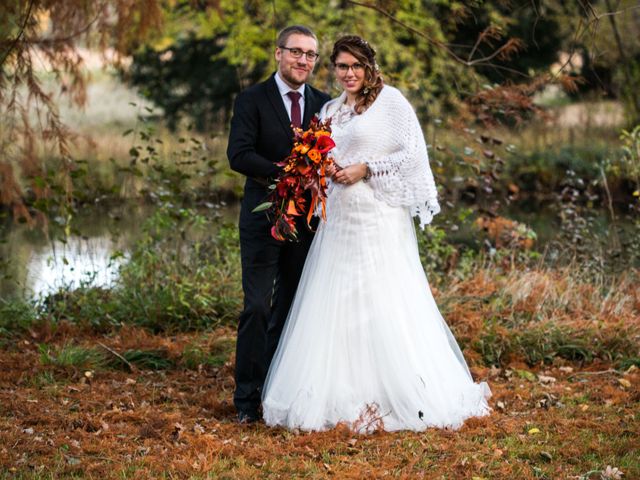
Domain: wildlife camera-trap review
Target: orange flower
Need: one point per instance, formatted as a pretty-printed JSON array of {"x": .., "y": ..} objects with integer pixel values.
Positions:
[
  {"x": 322, "y": 133},
  {"x": 314, "y": 155},
  {"x": 302, "y": 148},
  {"x": 291, "y": 208}
]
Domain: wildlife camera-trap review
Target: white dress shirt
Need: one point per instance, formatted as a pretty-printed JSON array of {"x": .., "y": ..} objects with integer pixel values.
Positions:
[{"x": 284, "y": 89}]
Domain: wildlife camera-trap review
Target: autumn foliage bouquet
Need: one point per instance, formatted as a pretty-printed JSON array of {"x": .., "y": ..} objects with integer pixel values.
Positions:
[{"x": 303, "y": 170}]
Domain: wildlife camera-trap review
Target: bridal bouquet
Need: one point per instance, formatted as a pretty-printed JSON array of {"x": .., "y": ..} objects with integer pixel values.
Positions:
[{"x": 303, "y": 170}]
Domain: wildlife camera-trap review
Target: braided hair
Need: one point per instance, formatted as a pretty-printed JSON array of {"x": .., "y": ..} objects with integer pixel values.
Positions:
[{"x": 373, "y": 83}]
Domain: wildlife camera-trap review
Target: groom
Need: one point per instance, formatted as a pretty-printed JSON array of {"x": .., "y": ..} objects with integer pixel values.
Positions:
[{"x": 260, "y": 136}]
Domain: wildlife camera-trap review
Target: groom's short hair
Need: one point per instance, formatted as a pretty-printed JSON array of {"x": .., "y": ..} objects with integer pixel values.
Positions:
[{"x": 286, "y": 32}]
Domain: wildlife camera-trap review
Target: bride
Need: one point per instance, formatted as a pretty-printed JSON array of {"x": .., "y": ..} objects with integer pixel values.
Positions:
[{"x": 364, "y": 343}]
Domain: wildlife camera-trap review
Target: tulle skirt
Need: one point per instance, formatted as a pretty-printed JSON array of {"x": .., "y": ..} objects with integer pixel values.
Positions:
[{"x": 364, "y": 343}]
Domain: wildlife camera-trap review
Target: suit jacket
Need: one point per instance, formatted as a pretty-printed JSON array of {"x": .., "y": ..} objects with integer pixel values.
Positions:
[{"x": 261, "y": 132}]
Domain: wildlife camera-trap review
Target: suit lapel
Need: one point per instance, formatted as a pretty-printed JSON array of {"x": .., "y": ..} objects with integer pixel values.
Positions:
[
  {"x": 309, "y": 106},
  {"x": 278, "y": 106}
]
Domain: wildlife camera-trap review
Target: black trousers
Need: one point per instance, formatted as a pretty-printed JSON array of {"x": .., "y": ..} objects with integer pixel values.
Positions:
[{"x": 270, "y": 273}]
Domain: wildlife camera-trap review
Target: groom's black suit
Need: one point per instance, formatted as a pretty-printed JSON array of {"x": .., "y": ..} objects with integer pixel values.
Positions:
[{"x": 260, "y": 136}]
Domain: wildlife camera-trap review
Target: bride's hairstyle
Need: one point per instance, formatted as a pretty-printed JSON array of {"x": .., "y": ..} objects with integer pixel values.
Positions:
[{"x": 360, "y": 48}]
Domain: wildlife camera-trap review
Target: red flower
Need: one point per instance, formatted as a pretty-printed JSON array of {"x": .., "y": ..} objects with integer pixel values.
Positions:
[
  {"x": 308, "y": 137},
  {"x": 304, "y": 169},
  {"x": 324, "y": 144}
]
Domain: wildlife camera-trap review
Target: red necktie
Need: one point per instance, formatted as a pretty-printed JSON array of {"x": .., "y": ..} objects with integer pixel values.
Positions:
[{"x": 296, "y": 116}]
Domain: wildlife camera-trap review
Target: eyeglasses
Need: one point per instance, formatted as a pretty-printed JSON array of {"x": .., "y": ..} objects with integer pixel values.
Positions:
[
  {"x": 297, "y": 53},
  {"x": 344, "y": 68}
]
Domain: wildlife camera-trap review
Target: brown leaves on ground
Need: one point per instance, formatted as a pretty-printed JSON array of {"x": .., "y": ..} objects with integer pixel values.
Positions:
[{"x": 557, "y": 422}]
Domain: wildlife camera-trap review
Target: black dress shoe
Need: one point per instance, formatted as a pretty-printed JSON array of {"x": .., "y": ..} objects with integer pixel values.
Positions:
[{"x": 247, "y": 417}]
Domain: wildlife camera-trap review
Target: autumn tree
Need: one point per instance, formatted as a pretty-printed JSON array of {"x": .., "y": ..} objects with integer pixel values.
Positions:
[
  {"x": 43, "y": 36},
  {"x": 482, "y": 60}
]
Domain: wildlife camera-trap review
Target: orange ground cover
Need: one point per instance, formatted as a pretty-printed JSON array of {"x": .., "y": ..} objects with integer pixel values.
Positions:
[{"x": 560, "y": 421}]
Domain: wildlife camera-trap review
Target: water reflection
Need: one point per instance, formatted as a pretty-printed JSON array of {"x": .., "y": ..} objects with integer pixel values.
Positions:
[
  {"x": 78, "y": 262},
  {"x": 37, "y": 265}
]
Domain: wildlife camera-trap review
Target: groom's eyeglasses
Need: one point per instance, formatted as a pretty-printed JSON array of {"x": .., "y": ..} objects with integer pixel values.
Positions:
[{"x": 297, "y": 53}]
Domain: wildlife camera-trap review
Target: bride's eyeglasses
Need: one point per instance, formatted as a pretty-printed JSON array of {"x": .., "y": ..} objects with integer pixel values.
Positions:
[
  {"x": 344, "y": 68},
  {"x": 297, "y": 53}
]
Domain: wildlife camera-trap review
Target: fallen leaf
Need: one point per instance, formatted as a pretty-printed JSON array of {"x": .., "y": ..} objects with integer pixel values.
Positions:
[
  {"x": 612, "y": 473},
  {"x": 546, "y": 379},
  {"x": 624, "y": 382},
  {"x": 533, "y": 431},
  {"x": 199, "y": 429}
]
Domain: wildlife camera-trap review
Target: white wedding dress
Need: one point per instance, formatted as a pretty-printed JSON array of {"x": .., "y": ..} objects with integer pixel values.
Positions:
[{"x": 364, "y": 343}]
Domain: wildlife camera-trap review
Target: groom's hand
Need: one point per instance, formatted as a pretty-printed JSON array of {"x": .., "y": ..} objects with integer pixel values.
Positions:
[{"x": 351, "y": 174}]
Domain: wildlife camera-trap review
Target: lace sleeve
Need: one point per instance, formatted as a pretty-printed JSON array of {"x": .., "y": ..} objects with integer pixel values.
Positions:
[{"x": 404, "y": 177}]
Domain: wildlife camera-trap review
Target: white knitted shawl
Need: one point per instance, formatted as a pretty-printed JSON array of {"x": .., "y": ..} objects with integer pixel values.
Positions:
[{"x": 388, "y": 137}]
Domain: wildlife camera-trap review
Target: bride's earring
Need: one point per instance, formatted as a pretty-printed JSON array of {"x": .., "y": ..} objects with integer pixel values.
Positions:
[{"x": 366, "y": 90}]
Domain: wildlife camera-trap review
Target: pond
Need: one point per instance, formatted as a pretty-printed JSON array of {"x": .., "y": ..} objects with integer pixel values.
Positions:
[{"x": 38, "y": 265}]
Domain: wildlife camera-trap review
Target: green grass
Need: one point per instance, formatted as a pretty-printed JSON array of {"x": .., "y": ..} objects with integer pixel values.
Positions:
[
  {"x": 154, "y": 359},
  {"x": 72, "y": 356},
  {"x": 16, "y": 315},
  {"x": 217, "y": 355}
]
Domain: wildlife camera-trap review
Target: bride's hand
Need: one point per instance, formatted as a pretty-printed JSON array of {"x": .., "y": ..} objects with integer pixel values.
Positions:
[
  {"x": 351, "y": 174},
  {"x": 331, "y": 170}
]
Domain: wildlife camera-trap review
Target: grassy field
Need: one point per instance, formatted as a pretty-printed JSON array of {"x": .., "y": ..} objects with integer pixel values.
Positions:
[
  {"x": 169, "y": 418},
  {"x": 560, "y": 355}
]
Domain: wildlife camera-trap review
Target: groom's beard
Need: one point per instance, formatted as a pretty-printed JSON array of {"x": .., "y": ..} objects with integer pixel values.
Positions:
[{"x": 295, "y": 81}]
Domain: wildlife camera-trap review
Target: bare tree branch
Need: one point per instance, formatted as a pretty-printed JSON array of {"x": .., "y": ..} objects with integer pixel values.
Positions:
[
  {"x": 484, "y": 61},
  {"x": 20, "y": 33}
]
